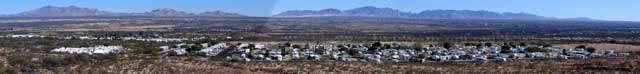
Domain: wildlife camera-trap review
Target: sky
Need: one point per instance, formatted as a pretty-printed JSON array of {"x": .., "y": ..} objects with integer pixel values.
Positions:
[{"x": 625, "y": 10}]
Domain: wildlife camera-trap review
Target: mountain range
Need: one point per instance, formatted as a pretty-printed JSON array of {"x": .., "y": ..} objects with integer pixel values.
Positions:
[
  {"x": 367, "y": 11},
  {"x": 75, "y": 11}
]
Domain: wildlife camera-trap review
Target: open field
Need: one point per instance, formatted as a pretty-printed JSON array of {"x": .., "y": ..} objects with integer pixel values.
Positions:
[
  {"x": 321, "y": 29},
  {"x": 605, "y": 46},
  {"x": 522, "y": 66}
]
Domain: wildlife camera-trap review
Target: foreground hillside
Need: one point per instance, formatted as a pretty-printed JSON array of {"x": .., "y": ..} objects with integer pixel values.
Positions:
[
  {"x": 182, "y": 65},
  {"x": 32, "y": 55}
]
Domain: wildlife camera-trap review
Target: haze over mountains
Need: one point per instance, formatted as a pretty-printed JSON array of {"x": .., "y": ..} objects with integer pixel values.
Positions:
[
  {"x": 367, "y": 11},
  {"x": 74, "y": 11}
]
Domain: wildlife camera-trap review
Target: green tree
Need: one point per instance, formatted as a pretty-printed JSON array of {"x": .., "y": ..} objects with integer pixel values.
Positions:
[
  {"x": 478, "y": 44},
  {"x": 534, "y": 49},
  {"x": 194, "y": 48},
  {"x": 547, "y": 45},
  {"x": 418, "y": 46},
  {"x": 591, "y": 49},
  {"x": 522, "y": 44},
  {"x": 320, "y": 50},
  {"x": 267, "y": 53},
  {"x": 581, "y": 47},
  {"x": 286, "y": 51},
  {"x": 296, "y": 46},
  {"x": 372, "y": 49},
  {"x": 613, "y": 41},
  {"x": 387, "y": 46},
  {"x": 184, "y": 46},
  {"x": 506, "y": 49},
  {"x": 376, "y": 44},
  {"x": 287, "y": 44},
  {"x": 251, "y": 46},
  {"x": 488, "y": 44},
  {"x": 468, "y": 44},
  {"x": 420, "y": 56},
  {"x": 353, "y": 52},
  {"x": 447, "y": 45}
]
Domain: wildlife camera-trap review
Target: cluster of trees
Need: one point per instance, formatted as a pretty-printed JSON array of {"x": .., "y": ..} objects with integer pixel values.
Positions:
[
  {"x": 588, "y": 49},
  {"x": 506, "y": 49},
  {"x": 535, "y": 49},
  {"x": 192, "y": 49}
]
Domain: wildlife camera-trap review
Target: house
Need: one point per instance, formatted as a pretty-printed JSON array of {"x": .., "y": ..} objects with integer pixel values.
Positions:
[
  {"x": 276, "y": 57},
  {"x": 516, "y": 55},
  {"x": 260, "y": 57},
  {"x": 91, "y": 50},
  {"x": 480, "y": 60},
  {"x": 401, "y": 53},
  {"x": 314, "y": 57},
  {"x": 501, "y": 59},
  {"x": 213, "y": 50}
]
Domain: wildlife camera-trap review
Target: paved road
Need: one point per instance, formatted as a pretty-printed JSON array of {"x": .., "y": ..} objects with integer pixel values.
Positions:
[{"x": 222, "y": 55}]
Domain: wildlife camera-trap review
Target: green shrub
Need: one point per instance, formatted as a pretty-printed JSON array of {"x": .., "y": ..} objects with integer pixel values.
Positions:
[
  {"x": 194, "y": 48},
  {"x": 202, "y": 54},
  {"x": 591, "y": 49},
  {"x": 506, "y": 49},
  {"x": 547, "y": 45},
  {"x": 581, "y": 47},
  {"x": 376, "y": 44},
  {"x": 353, "y": 52},
  {"x": 149, "y": 50},
  {"x": 522, "y": 44},
  {"x": 20, "y": 59},
  {"x": 286, "y": 51},
  {"x": 296, "y": 46},
  {"x": 534, "y": 49},
  {"x": 488, "y": 44},
  {"x": 319, "y": 50},
  {"x": 447, "y": 45}
]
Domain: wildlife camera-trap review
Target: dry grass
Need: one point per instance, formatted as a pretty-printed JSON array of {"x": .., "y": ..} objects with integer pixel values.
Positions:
[
  {"x": 170, "y": 65},
  {"x": 190, "y": 65},
  {"x": 609, "y": 65},
  {"x": 605, "y": 46},
  {"x": 118, "y": 28}
]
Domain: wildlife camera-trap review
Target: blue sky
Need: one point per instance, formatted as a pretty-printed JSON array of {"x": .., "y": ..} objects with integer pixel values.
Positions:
[{"x": 628, "y": 10}]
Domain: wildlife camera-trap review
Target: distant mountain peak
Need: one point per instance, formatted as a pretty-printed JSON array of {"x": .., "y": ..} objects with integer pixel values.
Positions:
[
  {"x": 331, "y": 9},
  {"x": 167, "y": 12},
  {"x": 219, "y": 14},
  {"x": 375, "y": 8},
  {"x": 370, "y": 11},
  {"x": 581, "y": 19},
  {"x": 63, "y": 11}
]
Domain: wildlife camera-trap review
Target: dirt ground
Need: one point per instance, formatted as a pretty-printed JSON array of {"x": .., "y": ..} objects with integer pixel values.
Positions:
[
  {"x": 203, "y": 66},
  {"x": 605, "y": 46},
  {"x": 617, "y": 65}
]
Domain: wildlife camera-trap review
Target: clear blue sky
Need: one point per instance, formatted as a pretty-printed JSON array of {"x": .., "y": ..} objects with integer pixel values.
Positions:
[{"x": 600, "y": 9}]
